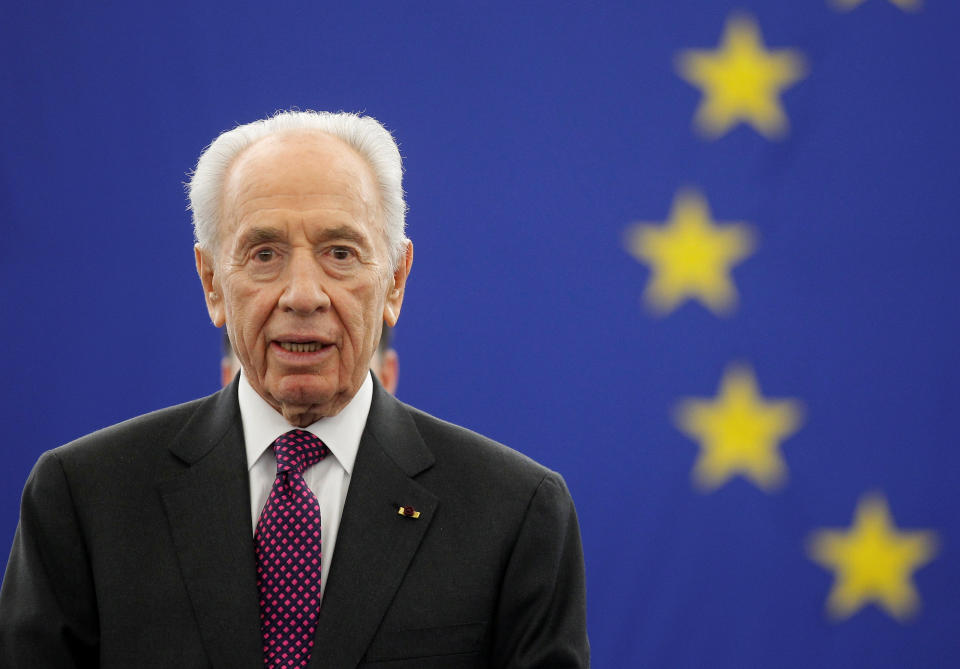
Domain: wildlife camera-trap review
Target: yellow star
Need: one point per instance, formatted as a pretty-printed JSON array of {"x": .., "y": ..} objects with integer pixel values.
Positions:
[
  {"x": 689, "y": 256},
  {"x": 739, "y": 432},
  {"x": 873, "y": 562},
  {"x": 905, "y": 5},
  {"x": 741, "y": 81}
]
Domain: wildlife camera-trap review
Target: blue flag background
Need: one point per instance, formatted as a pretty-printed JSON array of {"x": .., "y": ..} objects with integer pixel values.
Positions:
[{"x": 732, "y": 330}]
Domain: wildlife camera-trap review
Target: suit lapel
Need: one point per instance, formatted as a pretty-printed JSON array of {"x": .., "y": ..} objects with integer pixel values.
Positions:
[
  {"x": 374, "y": 544},
  {"x": 208, "y": 508}
]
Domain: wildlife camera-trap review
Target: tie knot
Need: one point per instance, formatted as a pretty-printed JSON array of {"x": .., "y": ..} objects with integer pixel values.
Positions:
[{"x": 297, "y": 450}]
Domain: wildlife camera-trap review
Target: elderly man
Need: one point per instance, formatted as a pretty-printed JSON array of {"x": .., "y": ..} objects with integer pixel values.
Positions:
[{"x": 301, "y": 516}]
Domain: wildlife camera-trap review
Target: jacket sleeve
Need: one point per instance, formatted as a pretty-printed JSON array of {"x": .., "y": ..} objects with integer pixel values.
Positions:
[
  {"x": 48, "y": 614},
  {"x": 541, "y": 619}
]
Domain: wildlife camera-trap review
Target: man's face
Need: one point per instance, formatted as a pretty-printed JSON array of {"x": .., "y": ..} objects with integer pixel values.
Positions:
[{"x": 301, "y": 275}]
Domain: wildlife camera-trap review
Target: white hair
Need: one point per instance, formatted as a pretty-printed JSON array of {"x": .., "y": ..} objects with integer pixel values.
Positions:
[{"x": 364, "y": 134}]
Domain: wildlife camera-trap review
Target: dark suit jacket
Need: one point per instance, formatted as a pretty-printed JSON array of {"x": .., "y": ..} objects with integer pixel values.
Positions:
[{"x": 135, "y": 549}]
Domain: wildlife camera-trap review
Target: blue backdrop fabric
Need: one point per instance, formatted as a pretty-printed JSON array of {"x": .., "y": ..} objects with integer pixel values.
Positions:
[{"x": 701, "y": 257}]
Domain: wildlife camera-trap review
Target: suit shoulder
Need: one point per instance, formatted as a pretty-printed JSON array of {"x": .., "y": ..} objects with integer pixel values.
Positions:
[
  {"x": 475, "y": 452},
  {"x": 147, "y": 429}
]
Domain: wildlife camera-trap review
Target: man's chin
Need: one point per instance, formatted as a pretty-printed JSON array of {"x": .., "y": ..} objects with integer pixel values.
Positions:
[{"x": 306, "y": 401}]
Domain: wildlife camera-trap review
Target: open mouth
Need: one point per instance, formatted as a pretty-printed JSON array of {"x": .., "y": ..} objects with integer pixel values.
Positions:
[{"x": 298, "y": 347}]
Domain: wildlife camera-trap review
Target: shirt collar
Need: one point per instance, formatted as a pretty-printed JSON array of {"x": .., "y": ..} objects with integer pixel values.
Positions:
[{"x": 341, "y": 433}]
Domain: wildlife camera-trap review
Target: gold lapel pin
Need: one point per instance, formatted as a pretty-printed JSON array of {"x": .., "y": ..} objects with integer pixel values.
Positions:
[{"x": 408, "y": 512}]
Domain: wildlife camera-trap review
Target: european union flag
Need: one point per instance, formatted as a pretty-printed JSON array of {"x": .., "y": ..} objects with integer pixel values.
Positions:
[{"x": 700, "y": 257}]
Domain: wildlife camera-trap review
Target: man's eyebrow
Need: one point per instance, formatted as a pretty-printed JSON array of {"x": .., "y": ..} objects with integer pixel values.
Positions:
[
  {"x": 256, "y": 236},
  {"x": 344, "y": 232}
]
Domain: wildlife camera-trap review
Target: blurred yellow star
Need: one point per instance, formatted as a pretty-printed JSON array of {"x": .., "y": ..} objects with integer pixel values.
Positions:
[
  {"x": 872, "y": 562},
  {"x": 741, "y": 81},
  {"x": 906, "y": 5},
  {"x": 739, "y": 432},
  {"x": 690, "y": 257}
]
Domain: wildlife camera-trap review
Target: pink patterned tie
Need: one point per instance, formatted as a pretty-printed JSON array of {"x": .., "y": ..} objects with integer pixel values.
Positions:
[{"x": 288, "y": 555}]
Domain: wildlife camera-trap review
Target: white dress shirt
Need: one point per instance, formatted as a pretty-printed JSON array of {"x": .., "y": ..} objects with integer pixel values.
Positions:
[{"x": 328, "y": 479}]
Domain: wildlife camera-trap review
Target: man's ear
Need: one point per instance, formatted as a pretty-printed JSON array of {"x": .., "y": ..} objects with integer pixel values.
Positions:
[
  {"x": 211, "y": 286},
  {"x": 391, "y": 308}
]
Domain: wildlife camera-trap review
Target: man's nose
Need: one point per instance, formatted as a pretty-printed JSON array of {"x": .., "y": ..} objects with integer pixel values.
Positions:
[{"x": 304, "y": 291}]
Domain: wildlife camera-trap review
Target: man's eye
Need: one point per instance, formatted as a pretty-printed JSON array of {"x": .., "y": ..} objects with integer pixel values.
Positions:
[
  {"x": 264, "y": 255},
  {"x": 341, "y": 253}
]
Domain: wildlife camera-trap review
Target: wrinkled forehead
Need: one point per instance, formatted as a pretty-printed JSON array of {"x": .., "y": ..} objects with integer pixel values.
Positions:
[{"x": 294, "y": 167}]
